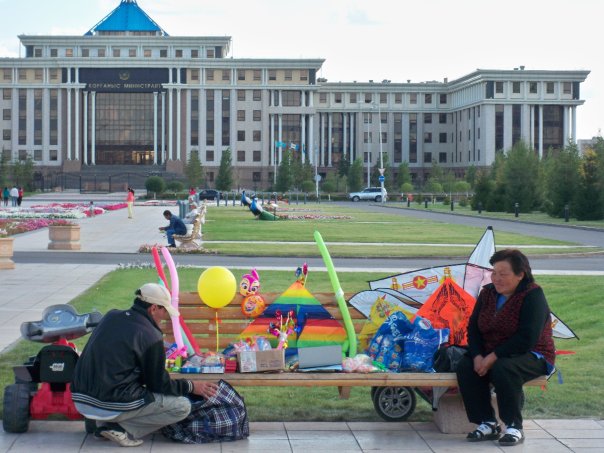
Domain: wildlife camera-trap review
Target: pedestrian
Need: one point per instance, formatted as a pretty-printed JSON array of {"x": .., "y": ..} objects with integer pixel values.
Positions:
[
  {"x": 6, "y": 195},
  {"x": 20, "y": 196},
  {"x": 91, "y": 209},
  {"x": 130, "y": 202},
  {"x": 120, "y": 379},
  {"x": 510, "y": 343},
  {"x": 176, "y": 226},
  {"x": 14, "y": 195}
]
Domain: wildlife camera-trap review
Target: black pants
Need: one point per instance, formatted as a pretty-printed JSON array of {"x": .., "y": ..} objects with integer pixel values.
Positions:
[{"x": 507, "y": 376}]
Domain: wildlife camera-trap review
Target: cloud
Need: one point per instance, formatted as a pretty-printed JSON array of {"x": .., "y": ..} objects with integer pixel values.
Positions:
[{"x": 359, "y": 17}]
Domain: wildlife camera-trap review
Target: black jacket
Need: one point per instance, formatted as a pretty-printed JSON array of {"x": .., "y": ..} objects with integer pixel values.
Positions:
[{"x": 123, "y": 363}]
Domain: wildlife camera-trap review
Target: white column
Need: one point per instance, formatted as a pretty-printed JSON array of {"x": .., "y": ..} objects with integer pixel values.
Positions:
[
  {"x": 170, "y": 123},
  {"x": 155, "y": 128},
  {"x": 352, "y": 125},
  {"x": 46, "y": 122},
  {"x": 163, "y": 127},
  {"x": 280, "y": 133},
  {"x": 311, "y": 137},
  {"x": 93, "y": 130},
  {"x": 329, "y": 126},
  {"x": 85, "y": 148},
  {"x": 303, "y": 149},
  {"x": 574, "y": 123},
  {"x": 68, "y": 122},
  {"x": 178, "y": 118},
  {"x": 77, "y": 122},
  {"x": 540, "y": 131},
  {"x": 322, "y": 144}
]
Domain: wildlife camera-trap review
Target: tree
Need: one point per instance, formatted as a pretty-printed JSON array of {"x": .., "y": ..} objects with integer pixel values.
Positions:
[
  {"x": 521, "y": 176},
  {"x": 284, "y": 173},
  {"x": 355, "y": 175},
  {"x": 155, "y": 184},
  {"x": 194, "y": 170},
  {"x": 343, "y": 166},
  {"x": 561, "y": 180},
  {"x": 471, "y": 175},
  {"x": 404, "y": 175},
  {"x": 23, "y": 172},
  {"x": 329, "y": 183},
  {"x": 224, "y": 180},
  {"x": 484, "y": 187},
  {"x": 589, "y": 204}
]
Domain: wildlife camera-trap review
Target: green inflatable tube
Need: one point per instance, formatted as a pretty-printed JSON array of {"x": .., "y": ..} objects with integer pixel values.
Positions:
[
  {"x": 265, "y": 215},
  {"x": 337, "y": 289}
]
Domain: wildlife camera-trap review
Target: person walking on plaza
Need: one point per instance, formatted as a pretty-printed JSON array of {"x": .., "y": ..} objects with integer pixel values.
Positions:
[
  {"x": 5, "y": 195},
  {"x": 130, "y": 201},
  {"x": 120, "y": 379},
  {"x": 510, "y": 342},
  {"x": 14, "y": 195},
  {"x": 176, "y": 226},
  {"x": 20, "y": 196}
]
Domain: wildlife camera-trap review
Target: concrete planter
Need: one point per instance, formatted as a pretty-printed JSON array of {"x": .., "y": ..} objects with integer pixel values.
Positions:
[
  {"x": 64, "y": 237},
  {"x": 6, "y": 253}
]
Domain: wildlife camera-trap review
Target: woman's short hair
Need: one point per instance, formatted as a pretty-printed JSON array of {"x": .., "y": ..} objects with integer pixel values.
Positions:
[{"x": 518, "y": 261}]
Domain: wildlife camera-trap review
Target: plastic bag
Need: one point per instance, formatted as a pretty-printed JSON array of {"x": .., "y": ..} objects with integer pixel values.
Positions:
[
  {"x": 386, "y": 347},
  {"x": 420, "y": 345}
]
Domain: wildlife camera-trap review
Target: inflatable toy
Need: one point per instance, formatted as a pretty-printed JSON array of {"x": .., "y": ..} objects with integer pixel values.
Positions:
[{"x": 216, "y": 286}]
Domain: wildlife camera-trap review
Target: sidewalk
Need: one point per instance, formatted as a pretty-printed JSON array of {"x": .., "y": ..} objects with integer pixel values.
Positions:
[{"x": 551, "y": 436}]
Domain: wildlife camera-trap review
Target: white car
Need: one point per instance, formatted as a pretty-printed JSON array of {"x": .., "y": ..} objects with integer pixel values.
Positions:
[{"x": 370, "y": 193}]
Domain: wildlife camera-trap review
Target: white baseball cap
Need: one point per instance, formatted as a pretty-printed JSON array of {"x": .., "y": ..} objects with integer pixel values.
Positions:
[{"x": 155, "y": 294}]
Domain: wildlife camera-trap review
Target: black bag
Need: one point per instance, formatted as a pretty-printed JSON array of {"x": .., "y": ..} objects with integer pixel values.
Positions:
[
  {"x": 220, "y": 418},
  {"x": 446, "y": 358}
]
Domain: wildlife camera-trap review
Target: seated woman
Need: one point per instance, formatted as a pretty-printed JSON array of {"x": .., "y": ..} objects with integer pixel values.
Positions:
[{"x": 510, "y": 342}]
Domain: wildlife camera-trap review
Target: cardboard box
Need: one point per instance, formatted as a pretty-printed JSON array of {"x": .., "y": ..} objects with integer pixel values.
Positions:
[
  {"x": 258, "y": 361},
  {"x": 319, "y": 356}
]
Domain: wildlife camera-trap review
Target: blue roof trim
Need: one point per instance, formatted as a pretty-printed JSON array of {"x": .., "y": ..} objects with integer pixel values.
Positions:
[{"x": 128, "y": 16}]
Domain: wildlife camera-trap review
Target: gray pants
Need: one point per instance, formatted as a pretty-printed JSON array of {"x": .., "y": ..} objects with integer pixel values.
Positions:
[{"x": 165, "y": 410}]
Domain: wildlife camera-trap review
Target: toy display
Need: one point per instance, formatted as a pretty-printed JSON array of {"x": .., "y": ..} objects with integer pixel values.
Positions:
[
  {"x": 253, "y": 304},
  {"x": 42, "y": 384},
  {"x": 314, "y": 325},
  {"x": 216, "y": 286},
  {"x": 283, "y": 329}
]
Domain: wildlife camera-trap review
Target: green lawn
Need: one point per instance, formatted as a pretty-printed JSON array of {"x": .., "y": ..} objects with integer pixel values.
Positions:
[
  {"x": 361, "y": 228},
  {"x": 576, "y": 300}
]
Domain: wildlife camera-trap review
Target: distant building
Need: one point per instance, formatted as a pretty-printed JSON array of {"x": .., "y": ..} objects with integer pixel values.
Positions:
[
  {"x": 584, "y": 144},
  {"x": 128, "y": 96}
]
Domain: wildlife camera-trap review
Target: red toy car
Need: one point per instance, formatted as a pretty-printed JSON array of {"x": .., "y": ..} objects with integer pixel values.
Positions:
[{"x": 42, "y": 384}]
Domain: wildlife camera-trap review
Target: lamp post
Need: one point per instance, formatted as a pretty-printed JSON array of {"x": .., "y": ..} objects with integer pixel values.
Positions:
[
  {"x": 317, "y": 177},
  {"x": 366, "y": 119},
  {"x": 274, "y": 164}
]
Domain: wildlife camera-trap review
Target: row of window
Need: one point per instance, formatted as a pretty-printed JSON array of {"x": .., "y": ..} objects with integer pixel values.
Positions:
[
  {"x": 367, "y": 98},
  {"x": 131, "y": 52},
  {"x": 241, "y": 155},
  {"x": 7, "y": 75},
  {"x": 53, "y": 155},
  {"x": 550, "y": 87}
]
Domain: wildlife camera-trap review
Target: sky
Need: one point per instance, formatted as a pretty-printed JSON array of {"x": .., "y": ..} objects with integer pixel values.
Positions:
[{"x": 366, "y": 40}]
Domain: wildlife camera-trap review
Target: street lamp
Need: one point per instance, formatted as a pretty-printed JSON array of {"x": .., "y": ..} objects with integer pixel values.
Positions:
[
  {"x": 366, "y": 119},
  {"x": 373, "y": 105}
]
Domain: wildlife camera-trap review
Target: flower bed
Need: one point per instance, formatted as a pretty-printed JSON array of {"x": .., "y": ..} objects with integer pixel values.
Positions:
[{"x": 15, "y": 221}]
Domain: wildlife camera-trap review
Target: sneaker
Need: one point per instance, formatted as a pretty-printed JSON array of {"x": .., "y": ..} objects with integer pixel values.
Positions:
[
  {"x": 98, "y": 432},
  {"x": 485, "y": 431},
  {"x": 511, "y": 437},
  {"x": 121, "y": 438}
]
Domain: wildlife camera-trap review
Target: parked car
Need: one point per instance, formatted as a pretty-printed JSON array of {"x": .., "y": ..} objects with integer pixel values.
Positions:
[
  {"x": 209, "y": 194},
  {"x": 370, "y": 193}
]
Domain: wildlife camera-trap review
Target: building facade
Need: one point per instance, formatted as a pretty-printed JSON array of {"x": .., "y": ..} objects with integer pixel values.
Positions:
[{"x": 126, "y": 94}]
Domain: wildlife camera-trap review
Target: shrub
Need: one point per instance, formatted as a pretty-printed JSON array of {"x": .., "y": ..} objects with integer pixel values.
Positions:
[
  {"x": 155, "y": 184},
  {"x": 175, "y": 186}
]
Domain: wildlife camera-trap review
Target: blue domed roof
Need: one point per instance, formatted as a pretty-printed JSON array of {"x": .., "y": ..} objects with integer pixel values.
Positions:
[{"x": 128, "y": 16}]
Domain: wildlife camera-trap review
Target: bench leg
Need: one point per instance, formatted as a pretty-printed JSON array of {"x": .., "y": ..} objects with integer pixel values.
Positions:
[
  {"x": 344, "y": 392},
  {"x": 451, "y": 418}
]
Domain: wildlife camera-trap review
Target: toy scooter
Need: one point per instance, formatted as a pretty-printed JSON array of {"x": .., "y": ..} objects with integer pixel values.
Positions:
[{"x": 52, "y": 368}]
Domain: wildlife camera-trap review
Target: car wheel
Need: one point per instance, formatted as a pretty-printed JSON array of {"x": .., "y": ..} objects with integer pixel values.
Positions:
[
  {"x": 378, "y": 199},
  {"x": 355, "y": 198}
]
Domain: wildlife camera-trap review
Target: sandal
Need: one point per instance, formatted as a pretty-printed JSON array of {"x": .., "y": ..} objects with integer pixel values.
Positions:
[
  {"x": 511, "y": 437},
  {"x": 485, "y": 431}
]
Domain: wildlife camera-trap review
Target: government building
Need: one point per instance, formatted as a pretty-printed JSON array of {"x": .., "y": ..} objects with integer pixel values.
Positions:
[{"x": 128, "y": 97}]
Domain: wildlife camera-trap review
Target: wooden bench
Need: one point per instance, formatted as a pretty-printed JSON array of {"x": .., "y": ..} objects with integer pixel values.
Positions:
[
  {"x": 392, "y": 393},
  {"x": 193, "y": 240}
]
